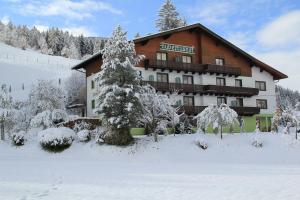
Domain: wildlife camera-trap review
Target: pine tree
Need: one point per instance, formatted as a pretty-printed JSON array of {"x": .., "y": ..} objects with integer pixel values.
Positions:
[
  {"x": 119, "y": 83},
  {"x": 169, "y": 17}
]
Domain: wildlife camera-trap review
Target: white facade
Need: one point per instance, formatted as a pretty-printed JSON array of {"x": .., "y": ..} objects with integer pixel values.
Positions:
[{"x": 205, "y": 79}]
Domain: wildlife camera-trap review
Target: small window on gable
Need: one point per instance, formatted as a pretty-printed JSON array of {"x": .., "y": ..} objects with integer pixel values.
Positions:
[
  {"x": 220, "y": 61},
  {"x": 177, "y": 80},
  {"x": 151, "y": 78}
]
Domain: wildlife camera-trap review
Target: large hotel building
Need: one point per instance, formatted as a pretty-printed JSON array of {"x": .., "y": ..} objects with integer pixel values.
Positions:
[{"x": 196, "y": 67}]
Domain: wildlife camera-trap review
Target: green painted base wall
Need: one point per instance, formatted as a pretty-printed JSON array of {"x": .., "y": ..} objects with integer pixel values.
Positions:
[{"x": 249, "y": 125}]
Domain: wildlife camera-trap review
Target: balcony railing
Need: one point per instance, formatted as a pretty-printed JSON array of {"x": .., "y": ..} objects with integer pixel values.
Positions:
[
  {"x": 203, "y": 89},
  {"x": 241, "y": 111},
  {"x": 230, "y": 90},
  {"x": 190, "y": 67}
]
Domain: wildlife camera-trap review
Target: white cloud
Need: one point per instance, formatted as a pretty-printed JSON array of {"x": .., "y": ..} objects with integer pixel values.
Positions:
[
  {"x": 286, "y": 62},
  {"x": 213, "y": 13},
  {"x": 5, "y": 20},
  {"x": 281, "y": 32},
  {"x": 76, "y": 31},
  {"x": 41, "y": 28},
  {"x": 67, "y": 8}
]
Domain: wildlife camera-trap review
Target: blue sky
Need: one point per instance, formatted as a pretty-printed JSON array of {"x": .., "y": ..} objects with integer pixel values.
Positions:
[{"x": 268, "y": 29}]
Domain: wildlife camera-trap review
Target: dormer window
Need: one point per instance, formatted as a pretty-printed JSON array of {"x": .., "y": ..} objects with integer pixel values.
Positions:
[{"x": 220, "y": 61}]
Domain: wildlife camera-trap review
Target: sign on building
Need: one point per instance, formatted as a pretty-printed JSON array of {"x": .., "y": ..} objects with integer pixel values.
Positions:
[{"x": 177, "y": 48}]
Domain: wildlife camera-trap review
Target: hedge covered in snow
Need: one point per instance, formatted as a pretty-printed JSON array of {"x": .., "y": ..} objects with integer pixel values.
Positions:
[{"x": 56, "y": 139}]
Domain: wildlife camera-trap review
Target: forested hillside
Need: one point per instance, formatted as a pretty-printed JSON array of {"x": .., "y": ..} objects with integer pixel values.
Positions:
[{"x": 51, "y": 42}]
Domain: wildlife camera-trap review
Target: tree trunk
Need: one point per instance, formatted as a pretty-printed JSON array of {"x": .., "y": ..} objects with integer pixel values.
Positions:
[
  {"x": 221, "y": 128},
  {"x": 296, "y": 131},
  {"x": 2, "y": 131}
]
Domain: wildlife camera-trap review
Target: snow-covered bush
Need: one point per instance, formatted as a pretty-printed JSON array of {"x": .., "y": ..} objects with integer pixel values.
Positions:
[
  {"x": 257, "y": 140},
  {"x": 18, "y": 138},
  {"x": 84, "y": 135},
  {"x": 257, "y": 143},
  {"x": 56, "y": 139},
  {"x": 59, "y": 116},
  {"x": 42, "y": 119},
  {"x": 47, "y": 119},
  {"x": 81, "y": 125},
  {"x": 201, "y": 143},
  {"x": 100, "y": 133}
]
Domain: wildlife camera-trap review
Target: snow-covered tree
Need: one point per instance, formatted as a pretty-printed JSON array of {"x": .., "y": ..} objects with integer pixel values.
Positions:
[
  {"x": 159, "y": 111},
  {"x": 168, "y": 17},
  {"x": 6, "y": 109},
  {"x": 119, "y": 88},
  {"x": 46, "y": 96},
  {"x": 276, "y": 119},
  {"x": 73, "y": 85},
  {"x": 289, "y": 119},
  {"x": 48, "y": 119},
  {"x": 217, "y": 116}
]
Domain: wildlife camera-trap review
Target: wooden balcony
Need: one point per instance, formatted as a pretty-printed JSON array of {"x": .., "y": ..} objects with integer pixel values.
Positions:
[
  {"x": 175, "y": 87},
  {"x": 190, "y": 67},
  {"x": 203, "y": 89},
  {"x": 222, "y": 69},
  {"x": 230, "y": 90},
  {"x": 241, "y": 111}
]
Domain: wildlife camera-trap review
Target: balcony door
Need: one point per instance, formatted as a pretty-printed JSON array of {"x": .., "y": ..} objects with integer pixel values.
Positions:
[
  {"x": 187, "y": 79},
  {"x": 162, "y": 77},
  {"x": 188, "y": 101},
  {"x": 161, "y": 58}
]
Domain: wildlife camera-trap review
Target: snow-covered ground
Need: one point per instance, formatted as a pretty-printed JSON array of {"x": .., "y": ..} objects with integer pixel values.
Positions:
[
  {"x": 174, "y": 168},
  {"x": 20, "y": 67}
]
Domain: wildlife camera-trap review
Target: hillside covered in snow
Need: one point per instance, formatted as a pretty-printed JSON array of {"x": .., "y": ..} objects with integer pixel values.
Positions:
[{"x": 23, "y": 67}]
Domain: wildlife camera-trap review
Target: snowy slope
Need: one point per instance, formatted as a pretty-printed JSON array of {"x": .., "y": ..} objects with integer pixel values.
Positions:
[
  {"x": 18, "y": 67},
  {"x": 174, "y": 168}
]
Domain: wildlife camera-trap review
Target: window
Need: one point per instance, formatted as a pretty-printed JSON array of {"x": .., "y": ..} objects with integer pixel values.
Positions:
[
  {"x": 177, "y": 80},
  {"x": 238, "y": 83},
  {"x": 261, "y": 103},
  {"x": 221, "y": 81},
  {"x": 188, "y": 101},
  {"x": 186, "y": 59},
  {"x": 161, "y": 56},
  {"x": 220, "y": 61},
  {"x": 93, "y": 104},
  {"x": 187, "y": 79},
  {"x": 221, "y": 100},
  {"x": 93, "y": 84},
  {"x": 179, "y": 103},
  {"x": 151, "y": 78},
  {"x": 161, "y": 77},
  {"x": 239, "y": 102},
  {"x": 261, "y": 85}
]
